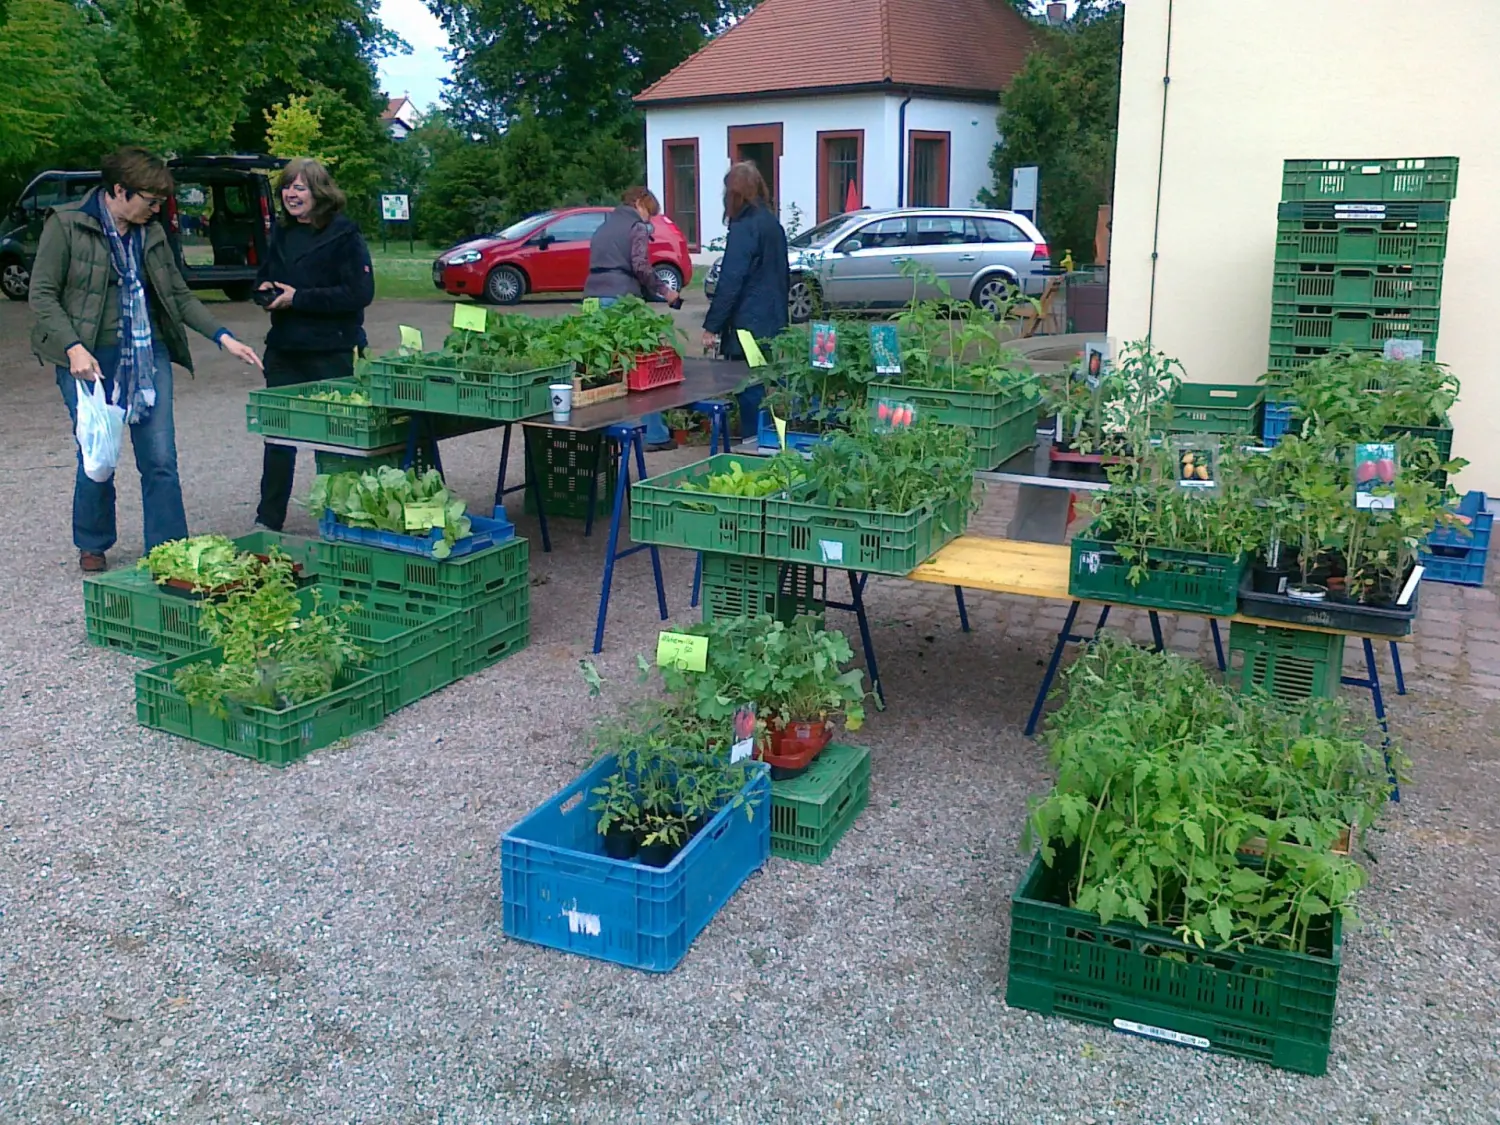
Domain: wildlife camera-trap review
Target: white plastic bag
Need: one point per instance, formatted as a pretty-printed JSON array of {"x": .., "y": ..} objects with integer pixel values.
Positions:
[{"x": 100, "y": 430}]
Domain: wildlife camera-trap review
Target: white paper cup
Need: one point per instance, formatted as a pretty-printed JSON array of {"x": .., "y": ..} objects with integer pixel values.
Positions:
[{"x": 562, "y": 401}]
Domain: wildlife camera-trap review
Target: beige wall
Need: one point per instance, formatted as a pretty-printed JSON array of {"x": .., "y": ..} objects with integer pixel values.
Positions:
[{"x": 1255, "y": 82}]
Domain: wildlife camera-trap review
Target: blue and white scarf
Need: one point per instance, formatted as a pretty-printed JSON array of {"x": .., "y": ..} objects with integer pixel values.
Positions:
[{"x": 134, "y": 371}]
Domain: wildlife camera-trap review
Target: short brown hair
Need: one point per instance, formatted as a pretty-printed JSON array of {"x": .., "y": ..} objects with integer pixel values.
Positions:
[
  {"x": 642, "y": 195},
  {"x": 328, "y": 199},
  {"x": 744, "y": 185},
  {"x": 136, "y": 170}
]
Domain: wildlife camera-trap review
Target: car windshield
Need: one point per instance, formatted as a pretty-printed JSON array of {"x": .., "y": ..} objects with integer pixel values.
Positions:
[
  {"x": 525, "y": 226},
  {"x": 820, "y": 233}
]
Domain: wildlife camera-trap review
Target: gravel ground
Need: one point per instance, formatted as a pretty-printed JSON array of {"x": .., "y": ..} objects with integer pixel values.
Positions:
[{"x": 189, "y": 937}]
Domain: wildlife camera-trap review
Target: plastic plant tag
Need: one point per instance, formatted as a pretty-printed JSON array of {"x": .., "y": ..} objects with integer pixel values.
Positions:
[
  {"x": 423, "y": 517},
  {"x": 1375, "y": 470},
  {"x": 1410, "y": 589},
  {"x": 892, "y": 414},
  {"x": 679, "y": 650},
  {"x": 591, "y": 304},
  {"x": 753, "y": 355},
  {"x": 780, "y": 429},
  {"x": 1095, "y": 363},
  {"x": 1403, "y": 349},
  {"x": 470, "y": 318},
  {"x": 824, "y": 342},
  {"x": 885, "y": 346},
  {"x": 744, "y": 733},
  {"x": 831, "y": 550},
  {"x": 411, "y": 339},
  {"x": 1197, "y": 462}
]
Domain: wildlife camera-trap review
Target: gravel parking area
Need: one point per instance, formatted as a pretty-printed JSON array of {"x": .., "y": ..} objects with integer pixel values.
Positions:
[{"x": 187, "y": 937}]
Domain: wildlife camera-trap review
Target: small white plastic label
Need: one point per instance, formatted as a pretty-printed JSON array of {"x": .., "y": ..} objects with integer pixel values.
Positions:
[
  {"x": 1162, "y": 1033},
  {"x": 1411, "y": 585},
  {"x": 741, "y": 750},
  {"x": 831, "y": 550},
  {"x": 581, "y": 923}
]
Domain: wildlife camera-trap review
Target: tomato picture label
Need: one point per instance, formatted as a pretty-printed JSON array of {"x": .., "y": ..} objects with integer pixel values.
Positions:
[
  {"x": 1164, "y": 1033},
  {"x": 1376, "y": 468},
  {"x": 824, "y": 342}
]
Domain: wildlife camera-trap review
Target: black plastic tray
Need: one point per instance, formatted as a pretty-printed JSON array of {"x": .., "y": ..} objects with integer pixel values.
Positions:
[{"x": 1342, "y": 616}]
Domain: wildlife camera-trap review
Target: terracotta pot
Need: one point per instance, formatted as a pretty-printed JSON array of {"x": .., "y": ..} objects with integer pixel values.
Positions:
[{"x": 791, "y": 749}]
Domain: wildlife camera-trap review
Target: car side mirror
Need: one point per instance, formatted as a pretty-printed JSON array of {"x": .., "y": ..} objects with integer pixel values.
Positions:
[
  {"x": 851, "y": 246},
  {"x": 544, "y": 240}
]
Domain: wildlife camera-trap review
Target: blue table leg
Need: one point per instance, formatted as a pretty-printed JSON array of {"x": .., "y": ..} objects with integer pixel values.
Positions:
[
  {"x": 1396, "y": 664},
  {"x": 857, "y": 599},
  {"x": 1156, "y": 631},
  {"x": 1064, "y": 635},
  {"x": 629, "y": 436},
  {"x": 534, "y": 482},
  {"x": 1213, "y": 627},
  {"x": 963, "y": 610},
  {"x": 1103, "y": 620},
  {"x": 1371, "y": 682}
]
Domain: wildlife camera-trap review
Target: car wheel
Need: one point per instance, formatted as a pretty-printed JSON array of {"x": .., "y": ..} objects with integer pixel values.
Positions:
[
  {"x": 239, "y": 290},
  {"x": 993, "y": 293},
  {"x": 504, "y": 286},
  {"x": 15, "y": 279},
  {"x": 668, "y": 275},
  {"x": 800, "y": 300}
]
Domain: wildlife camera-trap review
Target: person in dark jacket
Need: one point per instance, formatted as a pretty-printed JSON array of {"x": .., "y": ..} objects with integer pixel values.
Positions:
[
  {"x": 316, "y": 281},
  {"x": 754, "y": 281},
  {"x": 620, "y": 266}
]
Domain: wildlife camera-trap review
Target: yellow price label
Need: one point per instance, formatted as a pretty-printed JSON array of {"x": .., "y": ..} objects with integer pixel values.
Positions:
[
  {"x": 411, "y": 338},
  {"x": 753, "y": 355},
  {"x": 471, "y": 318},
  {"x": 678, "y": 650},
  {"x": 591, "y": 304},
  {"x": 780, "y": 429},
  {"x": 423, "y": 517}
]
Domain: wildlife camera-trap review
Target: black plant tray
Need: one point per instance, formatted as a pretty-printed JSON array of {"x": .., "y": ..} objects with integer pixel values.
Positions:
[{"x": 1346, "y": 617}]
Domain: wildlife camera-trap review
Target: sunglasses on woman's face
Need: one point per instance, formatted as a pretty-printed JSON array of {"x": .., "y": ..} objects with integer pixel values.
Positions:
[{"x": 152, "y": 201}]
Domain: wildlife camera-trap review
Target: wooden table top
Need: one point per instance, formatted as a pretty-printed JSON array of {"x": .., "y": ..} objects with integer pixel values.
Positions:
[{"x": 703, "y": 378}]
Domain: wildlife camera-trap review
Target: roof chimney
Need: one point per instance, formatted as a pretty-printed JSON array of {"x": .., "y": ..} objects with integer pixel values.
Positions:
[{"x": 1057, "y": 14}]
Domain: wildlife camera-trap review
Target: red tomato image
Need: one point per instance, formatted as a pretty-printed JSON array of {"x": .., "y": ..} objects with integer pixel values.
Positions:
[
  {"x": 1385, "y": 469},
  {"x": 1365, "y": 472},
  {"x": 884, "y": 412}
]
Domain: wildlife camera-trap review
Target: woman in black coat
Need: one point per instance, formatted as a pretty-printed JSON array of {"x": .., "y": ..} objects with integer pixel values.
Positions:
[{"x": 316, "y": 281}]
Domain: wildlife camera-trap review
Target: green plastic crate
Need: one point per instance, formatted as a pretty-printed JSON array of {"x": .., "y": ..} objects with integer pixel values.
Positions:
[
  {"x": 491, "y": 650},
  {"x": 741, "y": 587},
  {"x": 126, "y": 610},
  {"x": 276, "y": 738},
  {"x": 1195, "y": 582},
  {"x": 661, "y": 512},
  {"x": 1271, "y": 1006},
  {"x": 1003, "y": 422},
  {"x": 298, "y": 548},
  {"x": 1349, "y": 235},
  {"x": 398, "y": 580},
  {"x": 413, "y": 655},
  {"x": 1291, "y": 664},
  {"x": 1216, "y": 408},
  {"x": 327, "y": 463},
  {"x": 565, "y": 464},
  {"x": 811, "y": 813},
  {"x": 497, "y": 614},
  {"x": 1410, "y": 287},
  {"x": 290, "y": 412},
  {"x": 498, "y": 396},
  {"x": 1328, "y": 326},
  {"x": 1372, "y": 178},
  {"x": 1289, "y": 357},
  {"x": 804, "y": 531}
]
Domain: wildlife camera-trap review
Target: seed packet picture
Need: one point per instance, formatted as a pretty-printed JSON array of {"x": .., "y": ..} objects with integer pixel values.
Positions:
[{"x": 1375, "y": 471}]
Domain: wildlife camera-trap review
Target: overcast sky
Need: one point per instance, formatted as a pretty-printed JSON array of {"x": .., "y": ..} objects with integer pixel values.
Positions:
[{"x": 420, "y": 74}]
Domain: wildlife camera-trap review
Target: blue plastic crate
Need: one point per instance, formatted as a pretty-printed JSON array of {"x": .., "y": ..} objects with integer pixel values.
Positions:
[
  {"x": 561, "y": 890},
  {"x": 1275, "y": 422},
  {"x": 1475, "y": 507},
  {"x": 484, "y": 533},
  {"x": 798, "y": 440},
  {"x": 1457, "y": 566}
]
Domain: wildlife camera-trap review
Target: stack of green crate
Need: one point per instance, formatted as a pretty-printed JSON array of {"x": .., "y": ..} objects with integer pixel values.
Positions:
[
  {"x": 811, "y": 813},
  {"x": 565, "y": 463},
  {"x": 734, "y": 586},
  {"x": 1359, "y": 255},
  {"x": 491, "y": 589},
  {"x": 1290, "y": 664}
]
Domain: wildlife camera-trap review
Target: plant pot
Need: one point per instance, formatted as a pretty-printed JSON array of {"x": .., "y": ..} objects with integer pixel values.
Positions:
[
  {"x": 621, "y": 843},
  {"x": 682, "y": 437},
  {"x": 790, "y": 750},
  {"x": 1307, "y": 593},
  {"x": 1271, "y": 579},
  {"x": 657, "y": 855}
]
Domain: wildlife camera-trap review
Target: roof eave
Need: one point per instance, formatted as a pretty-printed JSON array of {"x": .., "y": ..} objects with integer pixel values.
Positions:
[{"x": 950, "y": 93}]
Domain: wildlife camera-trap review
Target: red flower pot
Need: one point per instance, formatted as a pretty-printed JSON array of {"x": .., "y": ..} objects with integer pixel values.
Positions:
[{"x": 789, "y": 750}]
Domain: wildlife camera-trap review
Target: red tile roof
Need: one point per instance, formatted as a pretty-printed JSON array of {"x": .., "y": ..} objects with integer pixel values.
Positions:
[
  {"x": 786, "y": 46},
  {"x": 392, "y": 107}
]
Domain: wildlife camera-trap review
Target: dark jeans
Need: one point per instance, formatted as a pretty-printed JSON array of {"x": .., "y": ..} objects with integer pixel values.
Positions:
[
  {"x": 279, "y": 462},
  {"x": 155, "y": 445}
]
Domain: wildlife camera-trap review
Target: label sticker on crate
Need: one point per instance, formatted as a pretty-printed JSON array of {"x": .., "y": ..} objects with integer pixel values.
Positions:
[
  {"x": 679, "y": 650},
  {"x": 1164, "y": 1033},
  {"x": 1402, "y": 350},
  {"x": 581, "y": 923},
  {"x": 423, "y": 517},
  {"x": 831, "y": 550}
]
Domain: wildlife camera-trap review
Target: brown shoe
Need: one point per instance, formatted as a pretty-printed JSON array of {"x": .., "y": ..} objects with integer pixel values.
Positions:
[{"x": 92, "y": 562}]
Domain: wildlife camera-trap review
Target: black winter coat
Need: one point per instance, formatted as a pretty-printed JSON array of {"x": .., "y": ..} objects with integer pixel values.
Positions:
[
  {"x": 753, "y": 281},
  {"x": 330, "y": 270}
]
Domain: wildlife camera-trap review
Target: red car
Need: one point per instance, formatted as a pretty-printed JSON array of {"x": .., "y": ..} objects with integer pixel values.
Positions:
[{"x": 548, "y": 253}]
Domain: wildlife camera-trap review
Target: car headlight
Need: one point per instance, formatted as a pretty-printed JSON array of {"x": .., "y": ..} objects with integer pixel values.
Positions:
[{"x": 463, "y": 258}]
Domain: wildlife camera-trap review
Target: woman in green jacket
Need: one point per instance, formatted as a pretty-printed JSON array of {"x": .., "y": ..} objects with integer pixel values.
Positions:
[{"x": 111, "y": 304}]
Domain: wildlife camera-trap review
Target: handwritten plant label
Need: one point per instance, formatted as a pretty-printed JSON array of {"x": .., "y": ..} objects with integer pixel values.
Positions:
[
  {"x": 679, "y": 650},
  {"x": 885, "y": 346},
  {"x": 469, "y": 318},
  {"x": 423, "y": 517},
  {"x": 411, "y": 339},
  {"x": 825, "y": 345}
]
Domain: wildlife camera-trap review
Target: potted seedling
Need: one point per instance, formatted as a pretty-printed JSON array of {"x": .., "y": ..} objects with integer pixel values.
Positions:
[{"x": 620, "y": 817}]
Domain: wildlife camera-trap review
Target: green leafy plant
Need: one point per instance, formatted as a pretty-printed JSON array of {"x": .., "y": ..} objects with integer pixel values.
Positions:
[
  {"x": 378, "y": 500},
  {"x": 1166, "y": 781},
  {"x": 272, "y": 653},
  {"x": 767, "y": 477},
  {"x": 606, "y": 342},
  {"x": 894, "y": 470},
  {"x": 204, "y": 562}
]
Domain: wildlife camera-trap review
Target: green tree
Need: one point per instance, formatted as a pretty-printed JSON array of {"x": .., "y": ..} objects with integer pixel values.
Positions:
[
  {"x": 1060, "y": 113},
  {"x": 293, "y": 128}
]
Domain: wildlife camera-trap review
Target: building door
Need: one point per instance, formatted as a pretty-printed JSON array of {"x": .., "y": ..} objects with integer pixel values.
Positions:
[{"x": 761, "y": 146}]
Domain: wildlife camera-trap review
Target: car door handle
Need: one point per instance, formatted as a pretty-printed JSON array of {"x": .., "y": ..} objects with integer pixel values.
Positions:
[
  {"x": 966, "y": 257},
  {"x": 899, "y": 261}
]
